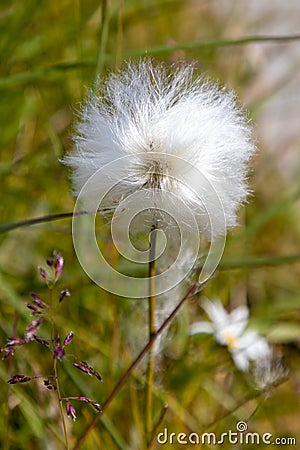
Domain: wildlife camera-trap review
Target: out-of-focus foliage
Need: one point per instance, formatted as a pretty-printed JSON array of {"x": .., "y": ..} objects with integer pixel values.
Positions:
[{"x": 51, "y": 53}]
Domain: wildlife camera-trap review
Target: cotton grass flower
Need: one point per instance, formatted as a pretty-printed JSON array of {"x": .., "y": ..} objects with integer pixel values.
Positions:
[
  {"x": 269, "y": 372},
  {"x": 161, "y": 118},
  {"x": 229, "y": 329}
]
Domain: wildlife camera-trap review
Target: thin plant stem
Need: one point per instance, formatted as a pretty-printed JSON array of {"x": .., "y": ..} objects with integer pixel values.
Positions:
[
  {"x": 60, "y": 404},
  {"x": 215, "y": 43},
  {"x": 120, "y": 34},
  {"x": 42, "y": 73},
  {"x": 191, "y": 291},
  {"x": 79, "y": 46},
  {"x": 158, "y": 423},
  {"x": 229, "y": 264},
  {"x": 6, "y": 443},
  {"x": 239, "y": 405},
  {"x": 36, "y": 220},
  {"x": 55, "y": 373},
  {"x": 103, "y": 38},
  {"x": 48, "y": 218},
  {"x": 151, "y": 306}
]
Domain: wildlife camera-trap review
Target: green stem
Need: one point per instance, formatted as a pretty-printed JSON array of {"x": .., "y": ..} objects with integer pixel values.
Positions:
[
  {"x": 41, "y": 73},
  {"x": 215, "y": 43},
  {"x": 48, "y": 218},
  {"x": 36, "y": 220},
  {"x": 151, "y": 305},
  {"x": 120, "y": 34},
  {"x": 158, "y": 423},
  {"x": 103, "y": 39},
  {"x": 55, "y": 372},
  {"x": 7, "y": 435},
  {"x": 61, "y": 404}
]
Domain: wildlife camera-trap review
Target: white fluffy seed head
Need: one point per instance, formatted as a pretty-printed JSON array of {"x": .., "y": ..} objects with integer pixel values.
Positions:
[
  {"x": 268, "y": 373},
  {"x": 153, "y": 114}
]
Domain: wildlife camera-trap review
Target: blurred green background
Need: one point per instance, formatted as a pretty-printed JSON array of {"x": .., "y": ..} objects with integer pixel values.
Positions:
[{"x": 50, "y": 55}]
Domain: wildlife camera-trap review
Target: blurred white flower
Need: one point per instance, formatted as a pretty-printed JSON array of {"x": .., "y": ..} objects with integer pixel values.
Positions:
[
  {"x": 229, "y": 329},
  {"x": 170, "y": 122}
]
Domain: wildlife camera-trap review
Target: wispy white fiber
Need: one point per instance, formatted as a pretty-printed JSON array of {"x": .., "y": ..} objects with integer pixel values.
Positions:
[
  {"x": 152, "y": 112},
  {"x": 268, "y": 372}
]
